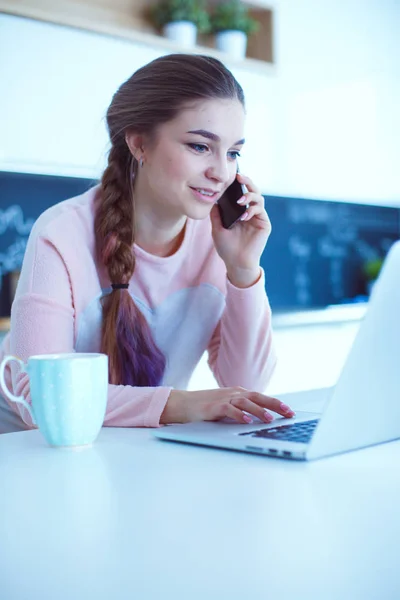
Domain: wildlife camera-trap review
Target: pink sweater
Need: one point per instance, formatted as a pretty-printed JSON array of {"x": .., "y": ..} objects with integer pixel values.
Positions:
[{"x": 186, "y": 298}]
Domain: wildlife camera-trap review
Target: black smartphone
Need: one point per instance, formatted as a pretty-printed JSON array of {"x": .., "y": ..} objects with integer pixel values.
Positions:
[{"x": 230, "y": 211}]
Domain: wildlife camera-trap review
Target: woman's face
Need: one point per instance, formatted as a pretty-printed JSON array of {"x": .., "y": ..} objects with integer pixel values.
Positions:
[{"x": 193, "y": 159}]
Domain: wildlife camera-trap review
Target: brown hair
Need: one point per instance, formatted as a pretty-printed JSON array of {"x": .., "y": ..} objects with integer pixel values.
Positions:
[{"x": 153, "y": 95}]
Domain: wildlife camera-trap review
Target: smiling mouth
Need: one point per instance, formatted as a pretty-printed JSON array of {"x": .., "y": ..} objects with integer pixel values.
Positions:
[{"x": 205, "y": 194}]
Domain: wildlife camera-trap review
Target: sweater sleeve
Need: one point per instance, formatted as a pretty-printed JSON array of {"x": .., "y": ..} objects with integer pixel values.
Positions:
[
  {"x": 241, "y": 351},
  {"x": 43, "y": 322}
]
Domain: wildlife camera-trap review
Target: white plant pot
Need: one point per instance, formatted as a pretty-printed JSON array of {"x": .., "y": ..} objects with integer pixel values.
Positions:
[
  {"x": 233, "y": 43},
  {"x": 182, "y": 32}
]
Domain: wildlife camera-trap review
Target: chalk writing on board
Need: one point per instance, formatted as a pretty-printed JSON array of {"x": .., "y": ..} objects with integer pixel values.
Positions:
[
  {"x": 336, "y": 273},
  {"x": 317, "y": 251},
  {"x": 299, "y": 247},
  {"x": 327, "y": 248},
  {"x": 11, "y": 259},
  {"x": 301, "y": 250},
  {"x": 13, "y": 218}
]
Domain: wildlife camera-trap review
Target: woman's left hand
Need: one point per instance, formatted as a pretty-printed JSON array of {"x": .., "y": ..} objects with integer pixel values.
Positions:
[{"x": 241, "y": 246}]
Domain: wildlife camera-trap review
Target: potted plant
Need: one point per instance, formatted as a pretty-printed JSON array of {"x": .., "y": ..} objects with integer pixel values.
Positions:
[
  {"x": 371, "y": 269},
  {"x": 232, "y": 24},
  {"x": 180, "y": 20}
]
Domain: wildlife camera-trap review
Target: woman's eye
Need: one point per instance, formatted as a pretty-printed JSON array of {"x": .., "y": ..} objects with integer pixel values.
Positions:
[
  {"x": 198, "y": 147},
  {"x": 202, "y": 148}
]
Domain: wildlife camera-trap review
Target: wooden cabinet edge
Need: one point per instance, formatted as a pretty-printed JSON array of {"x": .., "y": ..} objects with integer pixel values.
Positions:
[{"x": 28, "y": 11}]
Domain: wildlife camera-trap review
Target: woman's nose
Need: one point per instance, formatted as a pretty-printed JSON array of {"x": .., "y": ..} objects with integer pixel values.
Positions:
[{"x": 219, "y": 170}]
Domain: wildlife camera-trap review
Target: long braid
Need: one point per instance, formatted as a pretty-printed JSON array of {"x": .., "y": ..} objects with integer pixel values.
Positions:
[{"x": 134, "y": 358}]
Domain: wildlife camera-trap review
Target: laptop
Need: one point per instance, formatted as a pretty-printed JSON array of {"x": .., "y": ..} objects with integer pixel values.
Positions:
[{"x": 362, "y": 409}]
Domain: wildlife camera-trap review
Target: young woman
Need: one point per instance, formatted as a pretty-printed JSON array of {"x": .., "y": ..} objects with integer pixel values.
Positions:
[{"x": 140, "y": 267}]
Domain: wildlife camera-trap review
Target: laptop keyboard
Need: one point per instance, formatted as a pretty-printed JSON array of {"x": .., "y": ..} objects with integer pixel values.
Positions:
[{"x": 295, "y": 432}]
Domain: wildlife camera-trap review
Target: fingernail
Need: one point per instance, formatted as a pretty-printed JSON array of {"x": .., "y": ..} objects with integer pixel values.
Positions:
[
  {"x": 242, "y": 200},
  {"x": 286, "y": 408},
  {"x": 244, "y": 216},
  {"x": 268, "y": 416},
  {"x": 247, "y": 419}
]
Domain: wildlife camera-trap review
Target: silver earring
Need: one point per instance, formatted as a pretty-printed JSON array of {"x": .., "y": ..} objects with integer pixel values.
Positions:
[{"x": 141, "y": 162}]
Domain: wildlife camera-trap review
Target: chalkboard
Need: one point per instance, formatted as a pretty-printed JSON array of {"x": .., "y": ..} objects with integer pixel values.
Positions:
[
  {"x": 317, "y": 249},
  {"x": 23, "y": 197},
  {"x": 314, "y": 256}
]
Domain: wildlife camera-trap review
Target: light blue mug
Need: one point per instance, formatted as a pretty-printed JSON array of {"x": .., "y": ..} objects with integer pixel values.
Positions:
[{"x": 68, "y": 393}]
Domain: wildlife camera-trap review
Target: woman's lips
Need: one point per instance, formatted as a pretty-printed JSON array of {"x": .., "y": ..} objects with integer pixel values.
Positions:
[{"x": 208, "y": 198}]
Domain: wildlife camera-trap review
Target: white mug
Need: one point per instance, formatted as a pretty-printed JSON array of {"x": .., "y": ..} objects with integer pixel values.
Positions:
[{"x": 68, "y": 393}]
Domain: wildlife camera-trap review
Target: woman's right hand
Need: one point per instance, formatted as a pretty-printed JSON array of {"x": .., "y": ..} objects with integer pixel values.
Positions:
[{"x": 213, "y": 405}]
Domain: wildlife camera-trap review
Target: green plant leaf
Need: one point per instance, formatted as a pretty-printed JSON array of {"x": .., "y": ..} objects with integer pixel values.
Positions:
[
  {"x": 372, "y": 268},
  {"x": 169, "y": 11},
  {"x": 233, "y": 15}
]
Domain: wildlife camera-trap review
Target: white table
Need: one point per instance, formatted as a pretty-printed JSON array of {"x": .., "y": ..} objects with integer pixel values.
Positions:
[{"x": 138, "y": 518}]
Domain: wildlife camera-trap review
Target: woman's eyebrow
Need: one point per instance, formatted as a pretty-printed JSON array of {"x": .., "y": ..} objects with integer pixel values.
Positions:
[{"x": 213, "y": 136}]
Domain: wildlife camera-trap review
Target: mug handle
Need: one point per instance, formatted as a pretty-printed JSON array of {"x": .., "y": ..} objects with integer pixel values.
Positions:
[{"x": 5, "y": 390}]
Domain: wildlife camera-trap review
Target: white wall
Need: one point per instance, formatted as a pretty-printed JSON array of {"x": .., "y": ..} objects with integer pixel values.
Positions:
[
  {"x": 324, "y": 125},
  {"x": 339, "y": 88},
  {"x": 56, "y": 85}
]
